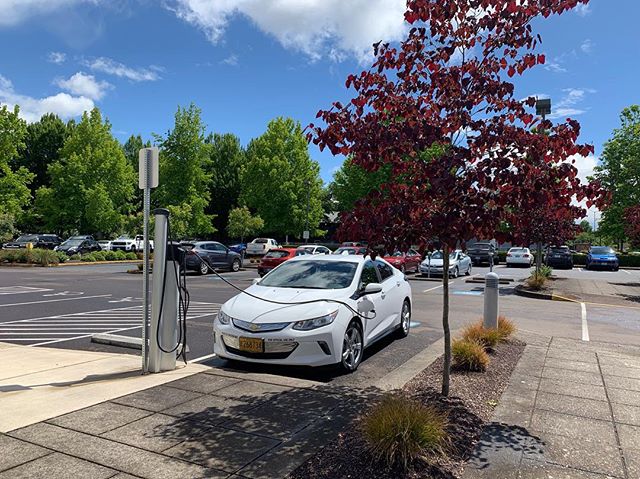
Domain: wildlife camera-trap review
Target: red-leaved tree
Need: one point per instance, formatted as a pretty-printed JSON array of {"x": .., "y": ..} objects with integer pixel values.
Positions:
[
  {"x": 632, "y": 228},
  {"x": 438, "y": 109}
]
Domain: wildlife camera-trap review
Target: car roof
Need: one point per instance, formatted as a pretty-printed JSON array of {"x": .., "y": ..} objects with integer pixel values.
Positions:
[
  {"x": 333, "y": 257},
  {"x": 288, "y": 250}
]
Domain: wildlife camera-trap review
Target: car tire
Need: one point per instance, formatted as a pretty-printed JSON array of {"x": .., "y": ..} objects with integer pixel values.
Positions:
[
  {"x": 351, "y": 355},
  {"x": 133, "y": 249},
  {"x": 617, "y": 268},
  {"x": 203, "y": 268},
  {"x": 456, "y": 272},
  {"x": 235, "y": 266},
  {"x": 468, "y": 273},
  {"x": 405, "y": 320}
]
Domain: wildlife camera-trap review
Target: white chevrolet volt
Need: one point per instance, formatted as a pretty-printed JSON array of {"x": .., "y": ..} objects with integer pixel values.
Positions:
[{"x": 321, "y": 310}]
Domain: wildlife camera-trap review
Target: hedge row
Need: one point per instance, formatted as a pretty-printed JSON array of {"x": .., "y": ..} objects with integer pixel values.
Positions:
[{"x": 47, "y": 257}]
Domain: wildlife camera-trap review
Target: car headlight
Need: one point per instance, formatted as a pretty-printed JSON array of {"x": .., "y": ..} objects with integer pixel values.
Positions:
[
  {"x": 223, "y": 317},
  {"x": 309, "y": 324}
]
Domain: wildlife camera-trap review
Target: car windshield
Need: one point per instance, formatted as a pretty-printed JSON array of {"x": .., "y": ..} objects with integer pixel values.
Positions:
[
  {"x": 345, "y": 251},
  {"x": 312, "y": 274},
  {"x": 517, "y": 250},
  {"x": 27, "y": 238},
  {"x": 72, "y": 242},
  {"x": 261, "y": 240},
  {"x": 481, "y": 246},
  {"x": 439, "y": 255},
  {"x": 398, "y": 253},
  {"x": 602, "y": 250},
  {"x": 305, "y": 250},
  {"x": 560, "y": 249},
  {"x": 276, "y": 254}
]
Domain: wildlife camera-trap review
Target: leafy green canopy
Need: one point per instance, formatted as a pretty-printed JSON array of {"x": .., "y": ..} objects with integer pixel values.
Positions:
[
  {"x": 352, "y": 183},
  {"x": 279, "y": 179},
  {"x": 91, "y": 183},
  {"x": 242, "y": 224},
  {"x": 619, "y": 173}
]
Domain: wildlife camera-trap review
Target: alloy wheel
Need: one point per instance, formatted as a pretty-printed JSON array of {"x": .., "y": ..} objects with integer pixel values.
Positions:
[
  {"x": 405, "y": 320},
  {"x": 204, "y": 268},
  {"x": 235, "y": 267},
  {"x": 352, "y": 348}
]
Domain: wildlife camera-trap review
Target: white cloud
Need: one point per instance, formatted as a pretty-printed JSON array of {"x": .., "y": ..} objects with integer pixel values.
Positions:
[
  {"x": 31, "y": 109},
  {"x": 13, "y": 12},
  {"x": 569, "y": 105},
  {"x": 586, "y": 46},
  {"x": 231, "y": 60},
  {"x": 555, "y": 66},
  {"x": 112, "y": 67},
  {"x": 85, "y": 85},
  {"x": 583, "y": 9},
  {"x": 57, "y": 57},
  {"x": 318, "y": 28}
]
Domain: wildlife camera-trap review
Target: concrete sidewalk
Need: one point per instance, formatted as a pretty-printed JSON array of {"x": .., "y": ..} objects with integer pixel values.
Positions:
[
  {"x": 572, "y": 410},
  {"x": 40, "y": 383},
  {"x": 605, "y": 292}
]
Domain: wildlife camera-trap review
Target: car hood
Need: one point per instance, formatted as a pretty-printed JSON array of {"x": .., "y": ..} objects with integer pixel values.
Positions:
[
  {"x": 603, "y": 256},
  {"x": 253, "y": 310},
  {"x": 438, "y": 262}
]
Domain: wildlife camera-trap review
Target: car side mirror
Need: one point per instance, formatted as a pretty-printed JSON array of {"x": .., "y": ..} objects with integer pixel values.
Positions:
[{"x": 372, "y": 288}]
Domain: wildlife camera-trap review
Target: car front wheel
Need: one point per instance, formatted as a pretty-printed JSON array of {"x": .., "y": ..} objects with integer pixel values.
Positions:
[
  {"x": 352, "y": 347},
  {"x": 204, "y": 267},
  {"x": 235, "y": 266},
  {"x": 405, "y": 320}
]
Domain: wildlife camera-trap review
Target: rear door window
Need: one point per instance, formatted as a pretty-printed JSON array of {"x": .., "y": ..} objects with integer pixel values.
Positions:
[
  {"x": 384, "y": 269},
  {"x": 369, "y": 275}
]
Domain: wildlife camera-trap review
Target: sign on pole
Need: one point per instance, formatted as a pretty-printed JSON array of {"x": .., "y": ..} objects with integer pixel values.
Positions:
[
  {"x": 305, "y": 234},
  {"x": 147, "y": 179}
]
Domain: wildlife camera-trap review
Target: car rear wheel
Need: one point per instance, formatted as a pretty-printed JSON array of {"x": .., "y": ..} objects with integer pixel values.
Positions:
[
  {"x": 204, "y": 267},
  {"x": 456, "y": 272},
  {"x": 405, "y": 320},
  {"x": 468, "y": 273},
  {"x": 235, "y": 266},
  {"x": 352, "y": 347}
]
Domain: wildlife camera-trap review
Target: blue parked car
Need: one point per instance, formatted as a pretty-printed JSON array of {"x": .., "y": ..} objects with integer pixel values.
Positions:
[
  {"x": 602, "y": 257},
  {"x": 239, "y": 248}
]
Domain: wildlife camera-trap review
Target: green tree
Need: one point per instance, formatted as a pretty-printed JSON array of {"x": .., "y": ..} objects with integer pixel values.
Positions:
[
  {"x": 352, "y": 183},
  {"x": 243, "y": 224},
  {"x": 226, "y": 156},
  {"x": 91, "y": 184},
  {"x": 43, "y": 142},
  {"x": 619, "y": 172},
  {"x": 14, "y": 181},
  {"x": 279, "y": 180},
  {"x": 7, "y": 227},
  {"x": 586, "y": 226},
  {"x": 184, "y": 182}
]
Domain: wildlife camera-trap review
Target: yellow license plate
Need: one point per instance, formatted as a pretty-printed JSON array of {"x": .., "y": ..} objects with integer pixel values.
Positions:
[{"x": 251, "y": 345}]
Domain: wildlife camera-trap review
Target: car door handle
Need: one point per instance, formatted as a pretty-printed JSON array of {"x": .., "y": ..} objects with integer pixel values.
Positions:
[
  {"x": 397, "y": 283},
  {"x": 382, "y": 295}
]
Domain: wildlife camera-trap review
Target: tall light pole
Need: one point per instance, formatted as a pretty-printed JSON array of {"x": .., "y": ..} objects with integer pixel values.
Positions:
[
  {"x": 543, "y": 108},
  {"x": 306, "y": 233}
]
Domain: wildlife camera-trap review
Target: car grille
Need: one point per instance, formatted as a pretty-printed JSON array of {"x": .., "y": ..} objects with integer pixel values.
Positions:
[{"x": 259, "y": 328}]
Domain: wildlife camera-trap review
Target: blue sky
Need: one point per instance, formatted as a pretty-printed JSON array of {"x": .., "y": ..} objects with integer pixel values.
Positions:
[{"x": 244, "y": 62}]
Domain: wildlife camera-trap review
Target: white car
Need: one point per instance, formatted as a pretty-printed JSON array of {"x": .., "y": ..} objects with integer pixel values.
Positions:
[
  {"x": 459, "y": 263},
  {"x": 123, "y": 243},
  {"x": 261, "y": 246},
  {"x": 519, "y": 257},
  {"x": 312, "y": 249},
  {"x": 336, "y": 307},
  {"x": 105, "y": 245}
]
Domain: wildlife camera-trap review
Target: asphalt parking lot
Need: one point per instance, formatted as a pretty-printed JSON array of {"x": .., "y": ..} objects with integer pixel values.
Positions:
[{"x": 62, "y": 307}]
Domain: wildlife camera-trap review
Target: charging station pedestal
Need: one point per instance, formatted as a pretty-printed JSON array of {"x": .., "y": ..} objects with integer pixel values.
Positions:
[{"x": 165, "y": 299}]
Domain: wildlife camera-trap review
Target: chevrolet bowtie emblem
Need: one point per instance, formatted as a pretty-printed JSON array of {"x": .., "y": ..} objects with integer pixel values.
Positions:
[{"x": 254, "y": 327}]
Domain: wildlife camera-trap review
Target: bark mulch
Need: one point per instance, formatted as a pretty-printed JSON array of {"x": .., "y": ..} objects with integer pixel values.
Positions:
[{"x": 472, "y": 399}]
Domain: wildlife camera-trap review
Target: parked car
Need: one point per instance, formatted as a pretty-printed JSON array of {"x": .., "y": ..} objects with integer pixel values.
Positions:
[
  {"x": 105, "y": 245},
  {"x": 519, "y": 257},
  {"x": 124, "y": 243},
  {"x": 260, "y": 246},
  {"x": 211, "y": 254},
  {"x": 351, "y": 250},
  {"x": 77, "y": 245},
  {"x": 82, "y": 237},
  {"x": 45, "y": 241},
  {"x": 239, "y": 248},
  {"x": 312, "y": 249},
  {"x": 602, "y": 257},
  {"x": 483, "y": 252},
  {"x": 559, "y": 257},
  {"x": 459, "y": 263},
  {"x": 274, "y": 258},
  {"x": 318, "y": 333},
  {"x": 353, "y": 243},
  {"x": 405, "y": 262}
]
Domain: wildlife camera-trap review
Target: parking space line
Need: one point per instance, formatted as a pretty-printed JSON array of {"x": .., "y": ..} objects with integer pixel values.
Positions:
[
  {"x": 585, "y": 327},
  {"x": 21, "y": 290},
  {"x": 202, "y": 358},
  {"x": 436, "y": 287},
  {"x": 54, "y": 300}
]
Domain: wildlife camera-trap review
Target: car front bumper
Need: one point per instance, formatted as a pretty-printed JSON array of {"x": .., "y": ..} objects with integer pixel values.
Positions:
[
  {"x": 319, "y": 347},
  {"x": 519, "y": 260}
]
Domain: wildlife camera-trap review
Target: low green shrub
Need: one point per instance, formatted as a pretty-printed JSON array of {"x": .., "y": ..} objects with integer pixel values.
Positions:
[
  {"x": 487, "y": 337},
  {"x": 110, "y": 255},
  {"x": 131, "y": 256},
  {"x": 44, "y": 257},
  {"x": 88, "y": 258},
  {"x": 469, "y": 355},
  {"x": 546, "y": 271},
  {"x": 75, "y": 257},
  {"x": 100, "y": 255},
  {"x": 536, "y": 282},
  {"x": 399, "y": 430},
  {"x": 120, "y": 255}
]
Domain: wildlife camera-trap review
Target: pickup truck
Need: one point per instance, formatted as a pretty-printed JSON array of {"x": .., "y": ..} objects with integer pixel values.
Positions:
[
  {"x": 124, "y": 243},
  {"x": 261, "y": 246},
  {"x": 483, "y": 252}
]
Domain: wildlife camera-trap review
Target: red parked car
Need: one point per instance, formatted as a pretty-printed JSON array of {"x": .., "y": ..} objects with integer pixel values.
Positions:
[
  {"x": 405, "y": 262},
  {"x": 274, "y": 258}
]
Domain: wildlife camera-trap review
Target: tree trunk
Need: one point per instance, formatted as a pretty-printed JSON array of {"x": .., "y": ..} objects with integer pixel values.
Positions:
[
  {"x": 538, "y": 258},
  {"x": 445, "y": 321}
]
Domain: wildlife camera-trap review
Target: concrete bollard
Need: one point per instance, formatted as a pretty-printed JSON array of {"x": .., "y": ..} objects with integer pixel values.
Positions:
[{"x": 491, "y": 289}]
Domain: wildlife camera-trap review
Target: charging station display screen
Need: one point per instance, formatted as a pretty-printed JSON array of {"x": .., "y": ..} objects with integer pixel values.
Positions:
[{"x": 312, "y": 274}]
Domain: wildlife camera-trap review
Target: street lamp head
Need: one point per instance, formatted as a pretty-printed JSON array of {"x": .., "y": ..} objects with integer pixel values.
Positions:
[{"x": 543, "y": 106}]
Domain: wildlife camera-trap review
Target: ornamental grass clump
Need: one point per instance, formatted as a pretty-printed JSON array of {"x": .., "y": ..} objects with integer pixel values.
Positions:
[
  {"x": 506, "y": 328},
  {"x": 399, "y": 431},
  {"x": 469, "y": 355},
  {"x": 487, "y": 337}
]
